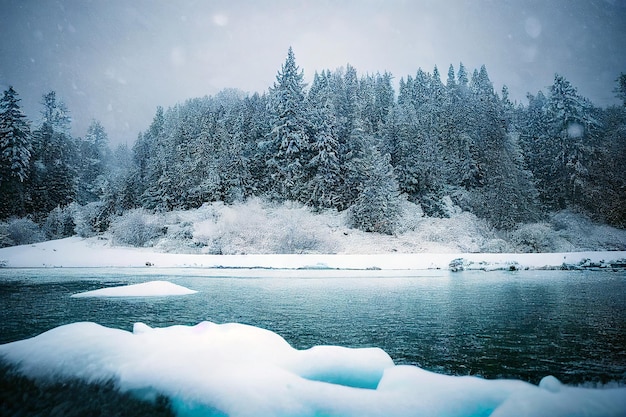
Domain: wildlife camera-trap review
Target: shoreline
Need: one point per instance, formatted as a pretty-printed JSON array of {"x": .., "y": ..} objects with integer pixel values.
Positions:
[{"x": 93, "y": 253}]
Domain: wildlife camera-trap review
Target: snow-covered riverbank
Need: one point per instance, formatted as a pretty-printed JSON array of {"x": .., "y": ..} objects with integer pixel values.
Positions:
[{"x": 94, "y": 252}]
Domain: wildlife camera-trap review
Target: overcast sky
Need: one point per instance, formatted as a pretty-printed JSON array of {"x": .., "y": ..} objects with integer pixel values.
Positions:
[{"x": 117, "y": 60}]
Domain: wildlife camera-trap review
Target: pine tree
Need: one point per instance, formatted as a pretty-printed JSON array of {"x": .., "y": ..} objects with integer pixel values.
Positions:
[
  {"x": 52, "y": 181},
  {"x": 15, "y": 154},
  {"x": 94, "y": 160},
  {"x": 15, "y": 138},
  {"x": 378, "y": 205},
  {"x": 505, "y": 194},
  {"x": 289, "y": 137},
  {"x": 571, "y": 134},
  {"x": 325, "y": 186},
  {"x": 620, "y": 89},
  {"x": 462, "y": 76}
]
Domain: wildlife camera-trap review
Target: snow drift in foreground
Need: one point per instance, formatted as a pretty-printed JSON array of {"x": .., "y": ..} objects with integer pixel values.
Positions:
[
  {"x": 146, "y": 289},
  {"x": 240, "y": 370}
]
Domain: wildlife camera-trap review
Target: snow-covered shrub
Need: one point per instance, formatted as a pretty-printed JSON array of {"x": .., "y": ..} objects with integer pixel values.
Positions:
[
  {"x": 20, "y": 231},
  {"x": 136, "y": 228},
  {"x": 59, "y": 223},
  {"x": 260, "y": 227},
  {"x": 373, "y": 214},
  {"x": 240, "y": 228},
  {"x": 90, "y": 219},
  {"x": 495, "y": 246},
  {"x": 463, "y": 232},
  {"x": 299, "y": 231},
  {"x": 178, "y": 238},
  {"x": 534, "y": 238},
  {"x": 584, "y": 234},
  {"x": 410, "y": 217},
  {"x": 5, "y": 239}
]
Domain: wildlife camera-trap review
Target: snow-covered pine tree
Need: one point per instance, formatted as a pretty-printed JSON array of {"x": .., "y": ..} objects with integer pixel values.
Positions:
[
  {"x": 384, "y": 97},
  {"x": 620, "y": 89},
  {"x": 462, "y": 76},
  {"x": 378, "y": 205},
  {"x": 289, "y": 142},
  {"x": 52, "y": 180},
  {"x": 15, "y": 138},
  {"x": 151, "y": 158},
  {"x": 94, "y": 155},
  {"x": 535, "y": 144},
  {"x": 416, "y": 156},
  {"x": 346, "y": 88},
  {"x": 571, "y": 128},
  {"x": 325, "y": 186},
  {"x": 15, "y": 154},
  {"x": 505, "y": 196}
]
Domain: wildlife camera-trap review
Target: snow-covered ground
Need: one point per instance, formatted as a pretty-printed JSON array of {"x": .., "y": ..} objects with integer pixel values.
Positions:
[
  {"x": 257, "y": 234},
  {"x": 243, "y": 371},
  {"x": 94, "y": 252}
]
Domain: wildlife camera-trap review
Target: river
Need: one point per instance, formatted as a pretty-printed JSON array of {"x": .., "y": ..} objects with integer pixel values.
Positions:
[{"x": 522, "y": 325}]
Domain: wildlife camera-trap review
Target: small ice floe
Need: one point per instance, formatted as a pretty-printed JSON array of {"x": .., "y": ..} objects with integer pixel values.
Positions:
[{"x": 146, "y": 289}]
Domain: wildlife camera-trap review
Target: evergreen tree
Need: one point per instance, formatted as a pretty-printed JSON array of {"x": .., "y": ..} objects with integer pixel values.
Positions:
[
  {"x": 378, "y": 205},
  {"x": 94, "y": 160},
  {"x": 536, "y": 146},
  {"x": 15, "y": 138},
  {"x": 462, "y": 76},
  {"x": 505, "y": 195},
  {"x": 15, "y": 154},
  {"x": 605, "y": 196},
  {"x": 52, "y": 181},
  {"x": 325, "y": 186},
  {"x": 451, "y": 81},
  {"x": 289, "y": 137},
  {"x": 572, "y": 128},
  {"x": 620, "y": 89}
]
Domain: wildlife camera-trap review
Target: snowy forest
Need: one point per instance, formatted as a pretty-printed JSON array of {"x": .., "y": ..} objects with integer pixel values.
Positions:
[{"x": 346, "y": 142}]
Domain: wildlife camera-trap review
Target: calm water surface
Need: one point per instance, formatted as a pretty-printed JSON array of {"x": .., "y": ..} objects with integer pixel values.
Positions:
[{"x": 522, "y": 325}]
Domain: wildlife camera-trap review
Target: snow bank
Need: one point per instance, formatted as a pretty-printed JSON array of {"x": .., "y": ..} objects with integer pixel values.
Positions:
[
  {"x": 240, "y": 371},
  {"x": 93, "y": 252},
  {"x": 146, "y": 289}
]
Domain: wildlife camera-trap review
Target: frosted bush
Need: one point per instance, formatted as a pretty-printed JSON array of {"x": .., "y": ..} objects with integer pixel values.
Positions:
[
  {"x": 260, "y": 227},
  {"x": 534, "y": 238},
  {"x": 90, "y": 219},
  {"x": 59, "y": 223},
  {"x": 584, "y": 234},
  {"x": 136, "y": 228},
  {"x": 410, "y": 217},
  {"x": 300, "y": 231},
  {"x": 462, "y": 232},
  {"x": 20, "y": 231}
]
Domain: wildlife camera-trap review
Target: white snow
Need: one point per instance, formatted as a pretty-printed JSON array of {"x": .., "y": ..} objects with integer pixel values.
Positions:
[
  {"x": 259, "y": 234},
  {"x": 243, "y": 371},
  {"x": 93, "y": 252},
  {"x": 146, "y": 289}
]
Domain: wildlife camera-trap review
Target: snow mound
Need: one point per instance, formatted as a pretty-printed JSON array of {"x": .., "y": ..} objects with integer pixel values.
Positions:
[
  {"x": 239, "y": 371},
  {"x": 146, "y": 289}
]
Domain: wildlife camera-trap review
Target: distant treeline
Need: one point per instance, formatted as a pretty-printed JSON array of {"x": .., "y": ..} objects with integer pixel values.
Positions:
[{"x": 347, "y": 142}]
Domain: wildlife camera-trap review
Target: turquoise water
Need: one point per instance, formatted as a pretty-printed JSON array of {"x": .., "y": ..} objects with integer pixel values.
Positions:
[{"x": 523, "y": 325}]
